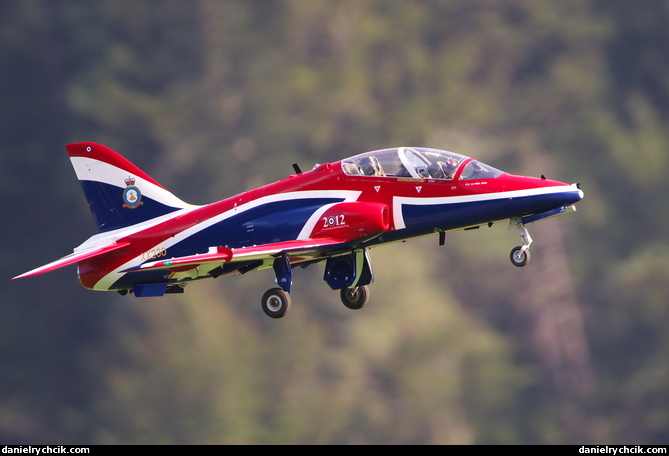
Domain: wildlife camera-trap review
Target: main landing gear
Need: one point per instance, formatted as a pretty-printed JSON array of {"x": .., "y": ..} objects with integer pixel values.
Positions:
[
  {"x": 355, "y": 298},
  {"x": 520, "y": 255},
  {"x": 350, "y": 273},
  {"x": 275, "y": 302}
]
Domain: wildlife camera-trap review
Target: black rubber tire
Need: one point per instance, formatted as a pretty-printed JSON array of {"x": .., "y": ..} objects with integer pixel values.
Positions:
[
  {"x": 355, "y": 298},
  {"x": 519, "y": 259},
  {"x": 275, "y": 302}
]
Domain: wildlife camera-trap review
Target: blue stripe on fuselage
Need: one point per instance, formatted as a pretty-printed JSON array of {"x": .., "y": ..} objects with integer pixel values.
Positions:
[
  {"x": 427, "y": 217},
  {"x": 272, "y": 222}
]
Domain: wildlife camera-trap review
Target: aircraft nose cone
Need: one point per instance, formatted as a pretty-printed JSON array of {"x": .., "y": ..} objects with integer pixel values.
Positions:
[
  {"x": 569, "y": 194},
  {"x": 572, "y": 194}
]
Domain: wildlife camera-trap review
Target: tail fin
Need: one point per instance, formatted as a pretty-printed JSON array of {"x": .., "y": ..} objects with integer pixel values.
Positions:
[{"x": 118, "y": 193}]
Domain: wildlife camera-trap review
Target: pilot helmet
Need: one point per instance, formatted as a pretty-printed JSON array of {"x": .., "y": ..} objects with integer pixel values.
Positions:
[{"x": 451, "y": 165}]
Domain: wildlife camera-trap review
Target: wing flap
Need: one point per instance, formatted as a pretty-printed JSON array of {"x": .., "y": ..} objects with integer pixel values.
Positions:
[
  {"x": 269, "y": 251},
  {"x": 73, "y": 258}
]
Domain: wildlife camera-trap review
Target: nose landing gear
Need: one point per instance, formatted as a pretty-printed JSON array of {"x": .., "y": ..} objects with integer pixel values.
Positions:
[{"x": 520, "y": 255}]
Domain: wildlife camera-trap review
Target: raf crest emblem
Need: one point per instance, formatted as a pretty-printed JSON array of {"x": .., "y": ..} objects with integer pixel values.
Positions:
[{"x": 132, "y": 197}]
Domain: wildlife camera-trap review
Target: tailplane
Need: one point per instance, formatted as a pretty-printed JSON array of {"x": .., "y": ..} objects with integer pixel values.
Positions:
[{"x": 118, "y": 192}]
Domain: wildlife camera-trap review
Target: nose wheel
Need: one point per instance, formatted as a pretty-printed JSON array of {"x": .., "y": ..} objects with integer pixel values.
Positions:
[{"x": 520, "y": 255}]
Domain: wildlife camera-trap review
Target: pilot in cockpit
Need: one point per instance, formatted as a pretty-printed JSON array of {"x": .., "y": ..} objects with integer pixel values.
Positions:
[{"x": 367, "y": 166}]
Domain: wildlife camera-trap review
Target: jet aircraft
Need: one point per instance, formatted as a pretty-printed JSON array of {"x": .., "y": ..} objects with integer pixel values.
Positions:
[{"x": 149, "y": 242}]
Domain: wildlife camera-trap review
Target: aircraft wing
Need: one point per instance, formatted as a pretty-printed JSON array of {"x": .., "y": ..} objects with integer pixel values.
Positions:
[
  {"x": 215, "y": 255},
  {"x": 73, "y": 258},
  {"x": 223, "y": 254}
]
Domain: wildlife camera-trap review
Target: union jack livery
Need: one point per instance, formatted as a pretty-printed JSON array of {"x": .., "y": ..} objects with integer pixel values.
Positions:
[{"x": 150, "y": 242}]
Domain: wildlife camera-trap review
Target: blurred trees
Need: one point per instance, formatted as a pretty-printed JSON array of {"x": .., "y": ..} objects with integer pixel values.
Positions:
[{"x": 216, "y": 97}]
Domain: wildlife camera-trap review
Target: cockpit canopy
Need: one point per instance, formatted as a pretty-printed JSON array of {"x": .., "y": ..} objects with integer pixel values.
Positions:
[{"x": 417, "y": 163}]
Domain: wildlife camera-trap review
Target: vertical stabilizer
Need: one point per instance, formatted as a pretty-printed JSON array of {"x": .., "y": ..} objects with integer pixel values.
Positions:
[{"x": 118, "y": 192}]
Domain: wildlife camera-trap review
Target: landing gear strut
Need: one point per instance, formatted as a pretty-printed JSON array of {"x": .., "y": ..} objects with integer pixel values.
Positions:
[{"x": 520, "y": 255}]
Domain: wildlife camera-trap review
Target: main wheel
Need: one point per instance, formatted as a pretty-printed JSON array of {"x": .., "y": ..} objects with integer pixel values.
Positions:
[
  {"x": 355, "y": 298},
  {"x": 518, "y": 257},
  {"x": 275, "y": 302}
]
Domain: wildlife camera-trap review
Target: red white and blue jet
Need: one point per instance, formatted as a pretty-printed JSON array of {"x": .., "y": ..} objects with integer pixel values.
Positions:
[{"x": 150, "y": 242}]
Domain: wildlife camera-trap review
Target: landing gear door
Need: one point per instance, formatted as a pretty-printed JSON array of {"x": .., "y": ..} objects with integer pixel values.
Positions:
[{"x": 350, "y": 270}]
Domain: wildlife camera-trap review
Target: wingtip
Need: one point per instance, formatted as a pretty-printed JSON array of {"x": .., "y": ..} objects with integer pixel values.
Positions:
[
  {"x": 32, "y": 272},
  {"x": 25, "y": 274}
]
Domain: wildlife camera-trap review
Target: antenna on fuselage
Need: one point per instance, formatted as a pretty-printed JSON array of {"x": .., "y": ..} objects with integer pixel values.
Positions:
[{"x": 297, "y": 169}]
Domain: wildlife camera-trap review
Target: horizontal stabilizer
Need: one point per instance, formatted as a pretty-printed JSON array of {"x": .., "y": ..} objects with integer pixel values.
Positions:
[{"x": 73, "y": 258}]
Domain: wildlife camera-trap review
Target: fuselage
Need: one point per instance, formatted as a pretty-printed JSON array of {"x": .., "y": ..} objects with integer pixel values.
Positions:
[{"x": 419, "y": 202}]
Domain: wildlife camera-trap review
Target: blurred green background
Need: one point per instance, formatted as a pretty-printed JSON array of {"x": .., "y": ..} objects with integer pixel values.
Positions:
[{"x": 457, "y": 346}]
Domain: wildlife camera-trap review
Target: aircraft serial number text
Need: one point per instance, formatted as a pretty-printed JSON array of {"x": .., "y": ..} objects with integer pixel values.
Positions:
[{"x": 154, "y": 253}]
